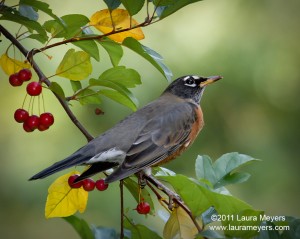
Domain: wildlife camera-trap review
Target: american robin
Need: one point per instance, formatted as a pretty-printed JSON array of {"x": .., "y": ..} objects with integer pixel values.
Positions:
[{"x": 151, "y": 136}]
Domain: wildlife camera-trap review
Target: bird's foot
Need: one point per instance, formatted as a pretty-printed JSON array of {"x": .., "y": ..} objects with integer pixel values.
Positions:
[{"x": 174, "y": 198}]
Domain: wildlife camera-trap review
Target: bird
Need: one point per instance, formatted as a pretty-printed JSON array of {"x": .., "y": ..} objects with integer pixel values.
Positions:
[{"x": 150, "y": 136}]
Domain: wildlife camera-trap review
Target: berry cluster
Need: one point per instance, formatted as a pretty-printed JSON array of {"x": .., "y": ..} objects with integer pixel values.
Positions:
[
  {"x": 30, "y": 122},
  {"x": 88, "y": 184},
  {"x": 17, "y": 79}
]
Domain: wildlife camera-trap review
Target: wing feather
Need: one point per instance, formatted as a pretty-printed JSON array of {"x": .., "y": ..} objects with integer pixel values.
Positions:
[{"x": 160, "y": 137}]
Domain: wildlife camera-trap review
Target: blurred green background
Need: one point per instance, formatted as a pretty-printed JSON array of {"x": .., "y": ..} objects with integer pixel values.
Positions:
[{"x": 254, "y": 110}]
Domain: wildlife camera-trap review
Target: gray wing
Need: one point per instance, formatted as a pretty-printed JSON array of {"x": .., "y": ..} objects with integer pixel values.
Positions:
[{"x": 160, "y": 137}]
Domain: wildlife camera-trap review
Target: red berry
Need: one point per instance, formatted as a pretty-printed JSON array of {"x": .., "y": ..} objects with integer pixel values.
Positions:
[
  {"x": 25, "y": 74},
  {"x": 71, "y": 181},
  {"x": 14, "y": 80},
  {"x": 98, "y": 111},
  {"x": 34, "y": 88},
  {"x": 88, "y": 184},
  {"x": 42, "y": 127},
  {"x": 31, "y": 123},
  {"x": 143, "y": 208},
  {"x": 46, "y": 119},
  {"x": 101, "y": 185},
  {"x": 27, "y": 128},
  {"x": 21, "y": 115}
]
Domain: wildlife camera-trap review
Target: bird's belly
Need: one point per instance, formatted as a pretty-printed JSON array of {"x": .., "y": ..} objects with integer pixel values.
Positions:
[
  {"x": 196, "y": 128},
  {"x": 172, "y": 156}
]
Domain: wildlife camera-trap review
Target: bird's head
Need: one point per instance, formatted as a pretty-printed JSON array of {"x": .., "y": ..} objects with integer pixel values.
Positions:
[{"x": 191, "y": 86}]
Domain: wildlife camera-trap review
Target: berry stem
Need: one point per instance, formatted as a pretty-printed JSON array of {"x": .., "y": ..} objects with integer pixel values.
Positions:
[
  {"x": 24, "y": 101},
  {"x": 43, "y": 101},
  {"x": 39, "y": 104},
  {"x": 30, "y": 104}
]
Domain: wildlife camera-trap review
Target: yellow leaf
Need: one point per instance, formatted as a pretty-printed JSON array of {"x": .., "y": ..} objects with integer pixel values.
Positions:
[
  {"x": 62, "y": 200},
  {"x": 11, "y": 66},
  {"x": 179, "y": 225},
  {"x": 75, "y": 65},
  {"x": 105, "y": 21}
]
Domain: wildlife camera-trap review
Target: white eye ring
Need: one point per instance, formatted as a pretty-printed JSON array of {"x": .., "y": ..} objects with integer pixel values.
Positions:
[{"x": 190, "y": 81}]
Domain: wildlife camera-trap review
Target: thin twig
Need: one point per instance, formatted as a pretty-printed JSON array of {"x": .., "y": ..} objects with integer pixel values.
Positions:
[{"x": 122, "y": 208}]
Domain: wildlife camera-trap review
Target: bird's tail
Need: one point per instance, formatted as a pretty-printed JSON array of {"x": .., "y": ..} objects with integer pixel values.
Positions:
[{"x": 72, "y": 160}]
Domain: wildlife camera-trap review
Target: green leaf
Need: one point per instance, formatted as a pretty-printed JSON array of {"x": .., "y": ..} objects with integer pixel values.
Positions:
[
  {"x": 133, "y": 6},
  {"x": 112, "y": 4},
  {"x": 90, "y": 47},
  {"x": 42, "y": 6},
  {"x": 199, "y": 199},
  {"x": 134, "y": 188},
  {"x": 73, "y": 24},
  {"x": 76, "y": 85},
  {"x": 221, "y": 172},
  {"x": 56, "y": 88},
  {"x": 38, "y": 37},
  {"x": 230, "y": 162},
  {"x": 139, "y": 231},
  {"x": 190, "y": 192},
  {"x": 120, "y": 98},
  {"x": 150, "y": 55},
  {"x": 80, "y": 226},
  {"x": 122, "y": 75},
  {"x": 11, "y": 14},
  {"x": 204, "y": 169},
  {"x": 116, "y": 86},
  {"x": 88, "y": 96},
  {"x": 73, "y": 27},
  {"x": 75, "y": 65},
  {"x": 113, "y": 49},
  {"x": 29, "y": 12},
  {"x": 232, "y": 178},
  {"x": 171, "y": 6}
]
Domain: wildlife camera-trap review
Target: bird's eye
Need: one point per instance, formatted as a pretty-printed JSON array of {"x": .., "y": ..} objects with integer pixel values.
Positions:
[{"x": 189, "y": 81}]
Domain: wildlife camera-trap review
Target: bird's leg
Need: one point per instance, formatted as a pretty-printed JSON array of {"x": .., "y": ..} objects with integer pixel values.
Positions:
[
  {"x": 141, "y": 180},
  {"x": 173, "y": 197}
]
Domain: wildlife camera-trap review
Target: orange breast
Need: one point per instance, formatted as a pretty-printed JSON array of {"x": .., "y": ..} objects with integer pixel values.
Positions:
[{"x": 196, "y": 128}]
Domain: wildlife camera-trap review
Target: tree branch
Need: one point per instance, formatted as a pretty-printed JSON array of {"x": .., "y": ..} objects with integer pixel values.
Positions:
[{"x": 44, "y": 79}]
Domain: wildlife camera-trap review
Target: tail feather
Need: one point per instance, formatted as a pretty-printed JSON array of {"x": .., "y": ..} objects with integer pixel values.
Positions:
[
  {"x": 73, "y": 160},
  {"x": 94, "y": 169}
]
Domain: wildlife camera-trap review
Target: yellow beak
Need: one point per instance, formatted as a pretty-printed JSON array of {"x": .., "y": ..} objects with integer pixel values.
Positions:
[{"x": 210, "y": 79}]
